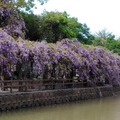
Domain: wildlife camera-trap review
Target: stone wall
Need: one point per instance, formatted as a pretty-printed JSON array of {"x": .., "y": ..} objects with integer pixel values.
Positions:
[{"x": 10, "y": 101}]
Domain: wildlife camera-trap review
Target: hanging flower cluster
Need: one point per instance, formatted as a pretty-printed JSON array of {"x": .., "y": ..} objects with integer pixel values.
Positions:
[
  {"x": 10, "y": 20},
  {"x": 22, "y": 59}
]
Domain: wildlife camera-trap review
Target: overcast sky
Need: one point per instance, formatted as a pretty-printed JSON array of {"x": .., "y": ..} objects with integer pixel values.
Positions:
[{"x": 97, "y": 14}]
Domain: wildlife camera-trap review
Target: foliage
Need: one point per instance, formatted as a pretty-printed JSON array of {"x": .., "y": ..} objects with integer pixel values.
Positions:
[
  {"x": 24, "y": 59},
  {"x": 54, "y": 26},
  {"x": 102, "y": 38},
  {"x": 85, "y": 36},
  {"x": 114, "y": 45},
  {"x": 107, "y": 40},
  {"x": 19, "y": 4}
]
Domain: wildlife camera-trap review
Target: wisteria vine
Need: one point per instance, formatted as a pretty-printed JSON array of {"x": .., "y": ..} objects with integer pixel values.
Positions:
[
  {"x": 10, "y": 20},
  {"x": 23, "y": 59}
]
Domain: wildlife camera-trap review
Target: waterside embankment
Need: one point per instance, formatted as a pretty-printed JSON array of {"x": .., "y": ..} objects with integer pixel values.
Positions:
[{"x": 15, "y": 100}]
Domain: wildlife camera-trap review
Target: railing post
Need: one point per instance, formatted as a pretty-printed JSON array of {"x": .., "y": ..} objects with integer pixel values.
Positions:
[
  {"x": 72, "y": 84},
  {"x": 10, "y": 86},
  {"x": 25, "y": 85}
]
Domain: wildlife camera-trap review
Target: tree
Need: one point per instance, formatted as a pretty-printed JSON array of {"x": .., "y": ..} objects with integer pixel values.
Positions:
[
  {"x": 85, "y": 36},
  {"x": 32, "y": 26},
  {"x": 58, "y": 25},
  {"x": 103, "y": 37},
  {"x": 107, "y": 40}
]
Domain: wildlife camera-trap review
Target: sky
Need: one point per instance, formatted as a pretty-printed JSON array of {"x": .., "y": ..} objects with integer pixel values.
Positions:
[{"x": 97, "y": 14}]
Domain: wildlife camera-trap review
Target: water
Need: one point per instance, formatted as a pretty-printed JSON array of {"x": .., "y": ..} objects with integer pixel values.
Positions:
[{"x": 103, "y": 109}]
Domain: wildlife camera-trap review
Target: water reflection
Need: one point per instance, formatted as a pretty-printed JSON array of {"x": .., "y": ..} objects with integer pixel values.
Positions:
[{"x": 104, "y": 109}]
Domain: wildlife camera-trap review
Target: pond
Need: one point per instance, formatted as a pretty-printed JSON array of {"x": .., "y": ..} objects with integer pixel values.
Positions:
[{"x": 102, "y": 109}]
